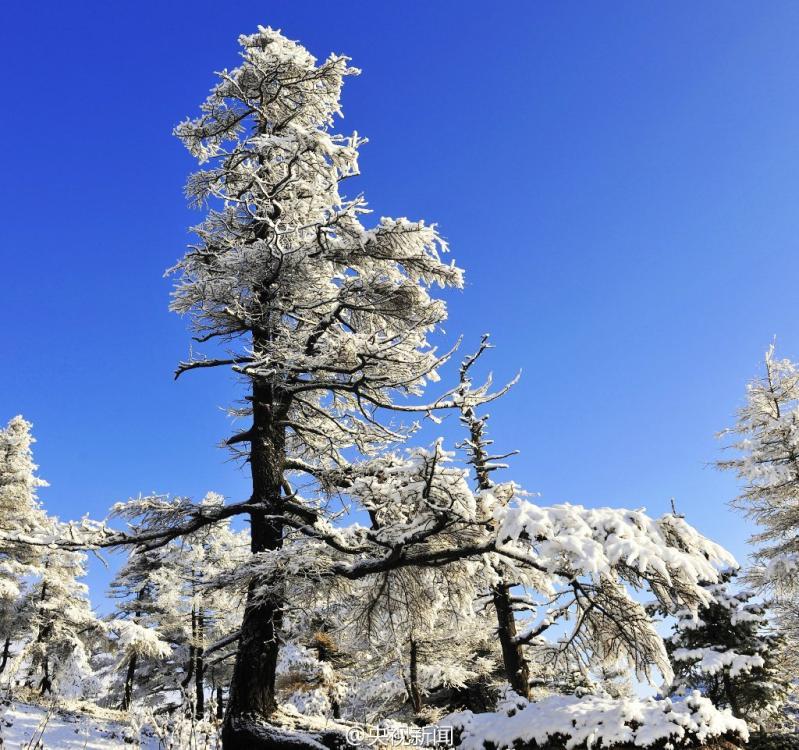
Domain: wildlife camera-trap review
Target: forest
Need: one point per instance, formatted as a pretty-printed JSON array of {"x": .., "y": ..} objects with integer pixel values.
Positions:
[{"x": 376, "y": 589}]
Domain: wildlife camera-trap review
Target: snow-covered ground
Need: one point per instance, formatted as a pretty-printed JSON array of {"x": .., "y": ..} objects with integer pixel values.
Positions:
[
  {"x": 28, "y": 727},
  {"x": 597, "y": 720}
]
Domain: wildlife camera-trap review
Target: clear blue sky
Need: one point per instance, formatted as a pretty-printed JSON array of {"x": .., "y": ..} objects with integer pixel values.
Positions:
[{"x": 618, "y": 179}]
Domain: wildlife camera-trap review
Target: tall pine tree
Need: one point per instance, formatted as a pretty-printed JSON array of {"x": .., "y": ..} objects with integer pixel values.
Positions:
[{"x": 327, "y": 320}]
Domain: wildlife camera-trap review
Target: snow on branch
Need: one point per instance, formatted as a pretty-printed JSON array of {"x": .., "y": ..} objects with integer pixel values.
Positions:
[{"x": 666, "y": 553}]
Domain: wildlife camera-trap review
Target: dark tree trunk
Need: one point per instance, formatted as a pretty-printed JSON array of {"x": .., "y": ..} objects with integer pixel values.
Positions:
[
  {"x": 413, "y": 679},
  {"x": 41, "y": 637},
  {"x": 220, "y": 703},
  {"x": 250, "y": 736},
  {"x": 252, "y": 688},
  {"x": 127, "y": 698},
  {"x": 46, "y": 685},
  {"x": 186, "y": 681},
  {"x": 6, "y": 654},
  {"x": 199, "y": 669},
  {"x": 516, "y": 668}
]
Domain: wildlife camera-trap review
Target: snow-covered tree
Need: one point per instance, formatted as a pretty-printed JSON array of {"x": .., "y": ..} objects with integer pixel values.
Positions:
[
  {"x": 728, "y": 651},
  {"x": 212, "y": 611},
  {"x": 766, "y": 438},
  {"x": 62, "y": 627},
  {"x": 20, "y": 514},
  {"x": 504, "y": 601},
  {"x": 138, "y": 623},
  {"x": 591, "y": 562},
  {"x": 170, "y": 614},
  {"x": 326, "y": 319},
  {"x": 610, "y": 632},
  {"x": 327, "y": 322},
  {"x": 424, "y": 641}
]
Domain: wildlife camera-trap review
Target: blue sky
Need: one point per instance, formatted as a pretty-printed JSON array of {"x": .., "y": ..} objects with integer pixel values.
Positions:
[{"x": 618, "y": 179}]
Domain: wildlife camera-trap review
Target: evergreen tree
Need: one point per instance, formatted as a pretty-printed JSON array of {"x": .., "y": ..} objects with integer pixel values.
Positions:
[
  {"x": 328, "y": 321},
  {"x": 505, "y": 602},
  {"x": 767, "y": 440},
  {"x": 140, "y": 646},
  {"x": 20, "y": 515},
  {"x": 332, "y": 317},
  {"x": 211, "y": 608},
  {"x": 172, "y": 611},
  {"x": 62, "y": 626},
  {"x": 728, "y": 652}
]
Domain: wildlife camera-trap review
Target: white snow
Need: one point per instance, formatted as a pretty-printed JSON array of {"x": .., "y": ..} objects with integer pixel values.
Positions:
[
  {"x": 596, "y": 719},
  {"x": 24, "y": 726},
  {"x": 710, "y": 660}
]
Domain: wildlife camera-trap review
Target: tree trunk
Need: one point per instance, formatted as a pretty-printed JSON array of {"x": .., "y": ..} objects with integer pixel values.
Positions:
[
  {"x": 46, "y": 685},
  {"x": 199, "y": 669},
  {"x": 220, "y": 703},
  {"x": 413, "y": 679},
  {"x": 516, "y": 668},
  {"x": 127, "y": 698},
  {"x": 186, "y": 681},
  {"x": 6, "y": 654},
  {"x": 323, "y": 654},
  {"x": 41, "y": 637},
  {"x": 252, "y": 688}
]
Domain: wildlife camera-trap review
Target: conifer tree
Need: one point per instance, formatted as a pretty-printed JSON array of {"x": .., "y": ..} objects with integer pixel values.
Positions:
[
  {"x": 172, "y": 612},
  {"x": 728, "y": 651},
  {"x": 325, "y": 318},
  {"x": 503, "y": 600},
  {"x": 211, "y": 609},
  {"x": 327, "y": 321},
  {"x": 766, "y": 438},
  {"x": 20, "y": 513},
  {"x": 137, "y": 623},
  {"x": 62, "y": 626}
]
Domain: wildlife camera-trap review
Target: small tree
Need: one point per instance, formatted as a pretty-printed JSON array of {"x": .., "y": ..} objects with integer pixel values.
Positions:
[
  {"x": 60, "y": 619},
  {"x": 20, "y": 514},
  {"x": 422, "y": 639},
  {"x": 172, "y": 611},
  {"x": 137, "y": 623},
  {"x": 212, "y": 610},
  {"x": 728, "y": 652}
]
